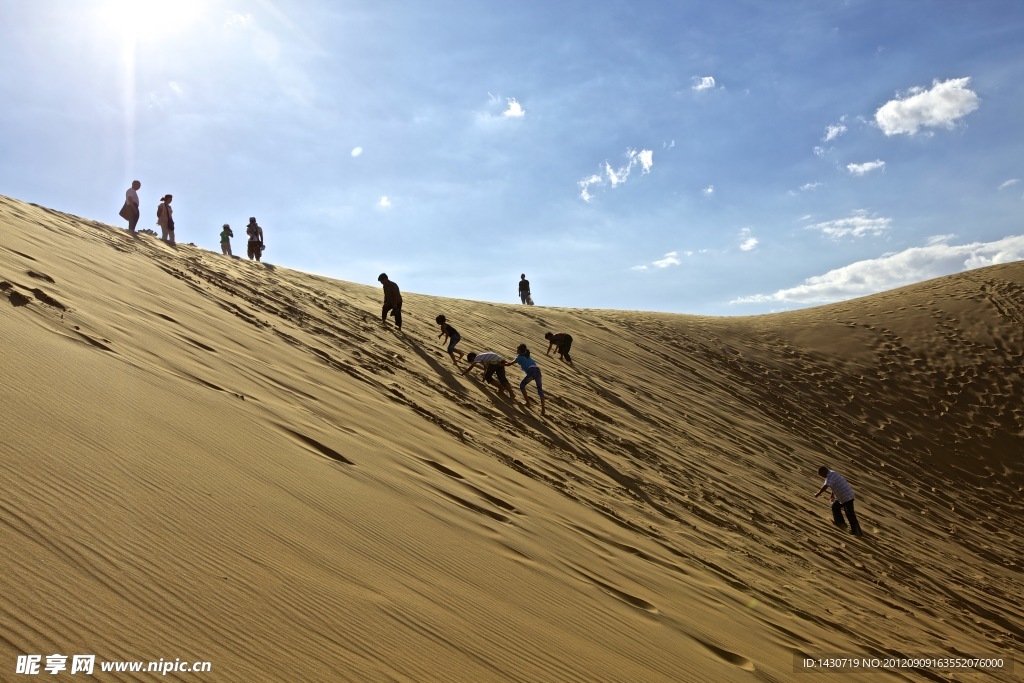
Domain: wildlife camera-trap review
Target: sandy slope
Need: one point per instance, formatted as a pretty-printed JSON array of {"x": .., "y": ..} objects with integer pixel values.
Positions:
[{"x": 217, "y": 460}]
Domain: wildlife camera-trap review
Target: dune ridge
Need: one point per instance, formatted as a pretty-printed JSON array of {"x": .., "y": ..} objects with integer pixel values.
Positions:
[{"x": 209, "y": 458}]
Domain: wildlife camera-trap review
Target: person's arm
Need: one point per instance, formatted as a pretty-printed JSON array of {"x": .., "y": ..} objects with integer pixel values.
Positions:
[
  {"x": 821, "y": 490},
  {"x": 551, "y": 345},
  {"x": 471, "y": 365}
]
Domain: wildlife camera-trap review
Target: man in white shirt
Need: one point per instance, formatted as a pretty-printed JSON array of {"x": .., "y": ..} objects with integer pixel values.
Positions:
[
  {"x": 841, "y": 497},
  {"x": 130, "y": 212},
  {"x": 493, "y": 364}
]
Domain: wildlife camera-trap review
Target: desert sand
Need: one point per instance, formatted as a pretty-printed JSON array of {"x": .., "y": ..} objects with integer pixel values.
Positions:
[{"x": 216, "y": 460}]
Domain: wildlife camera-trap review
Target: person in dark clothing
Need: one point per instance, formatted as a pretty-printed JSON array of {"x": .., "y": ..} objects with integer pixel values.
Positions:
[
  {"x": 451, "y": 335},
  {"x": 255, "y": 245},
  {"x": 561, "y": 341},
  {"x": 392, "y": 300},
  {"x": 524, "y": 290}
]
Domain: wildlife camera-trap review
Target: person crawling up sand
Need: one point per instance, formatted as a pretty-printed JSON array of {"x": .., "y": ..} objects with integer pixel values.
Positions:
[
  {"x": 493, "y": 364},
  {"x": 532, "y": 371},
  {"x": 451, "y": 336}
]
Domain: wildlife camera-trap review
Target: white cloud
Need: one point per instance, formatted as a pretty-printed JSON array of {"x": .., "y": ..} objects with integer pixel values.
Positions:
[
  {"x": 384, "y": 202},
  {"x": 357, "y": 151},
  {"x": 646, "y": 157},
  {"x": 895, "y": 270},
  {"x": 857, "y": 225},
  {"x": 585, "y": 186},
  {"x": 708, "y": 191},
  {"x": 919, "y": 108},
  {"x": 617, "y": 176},
  {"x": 1009, "y": 183},
  {"x": 497, "y": 111},
  {"x": 834, "y": 130},
  {"x": 819, "y": 151},
  {"x": 175, "y": 88},
  {"x": 703, "y": 83},
  {"x": 515, "y": 110},
  {"x": 669, "y": 260},
  {"x": 807, "y": 187},
  {"x": 866, "y": 167},
  {"x": 749, "y": 242}
]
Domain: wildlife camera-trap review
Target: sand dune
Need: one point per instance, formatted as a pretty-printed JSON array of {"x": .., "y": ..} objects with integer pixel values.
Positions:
[{"x": 210, "y": 459}]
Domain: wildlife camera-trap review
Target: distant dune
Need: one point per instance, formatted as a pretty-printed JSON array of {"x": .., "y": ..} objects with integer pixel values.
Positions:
[{"x": 209, "y": 459}]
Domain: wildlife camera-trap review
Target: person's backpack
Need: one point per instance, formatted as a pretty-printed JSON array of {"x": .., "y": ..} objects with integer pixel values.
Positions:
[
  {"x": 252, "y": 232},
  {"x": 160, "y": 211}
]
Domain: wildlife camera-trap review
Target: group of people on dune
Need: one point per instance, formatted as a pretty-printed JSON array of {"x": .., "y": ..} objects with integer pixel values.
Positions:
[
  {"x": 493, "y": 364},
  {"x": 131, "y": 212}
]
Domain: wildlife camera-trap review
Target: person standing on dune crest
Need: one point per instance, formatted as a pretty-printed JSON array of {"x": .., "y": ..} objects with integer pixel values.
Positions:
[
  {"x": 524, "y": 290},
  {"x": 130, "y": 210},
  {"x": 165, "y": 219},
  {"x": 841, "y": 497},
  {"x": 255, "y": 245},
  {"x": 225, "y": 240}
]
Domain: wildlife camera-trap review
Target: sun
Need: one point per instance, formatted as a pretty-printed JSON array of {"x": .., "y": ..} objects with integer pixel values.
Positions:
[{"x": 149, "y": 19}]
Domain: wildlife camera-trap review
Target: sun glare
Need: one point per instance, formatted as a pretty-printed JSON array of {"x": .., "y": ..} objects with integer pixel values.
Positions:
[{"x": 149, "y": 19}]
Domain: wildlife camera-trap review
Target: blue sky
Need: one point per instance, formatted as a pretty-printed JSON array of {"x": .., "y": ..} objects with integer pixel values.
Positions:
[{"x": 726, "y": 158}]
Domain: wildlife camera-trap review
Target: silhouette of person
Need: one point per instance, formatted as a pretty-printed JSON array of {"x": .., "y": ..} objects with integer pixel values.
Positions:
[
  {"x": 524, "y": 290},
  {"x": 255, "y": 244},
  {"x": 392, "y": 300},
  {"x": 563, "y": 342}
]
